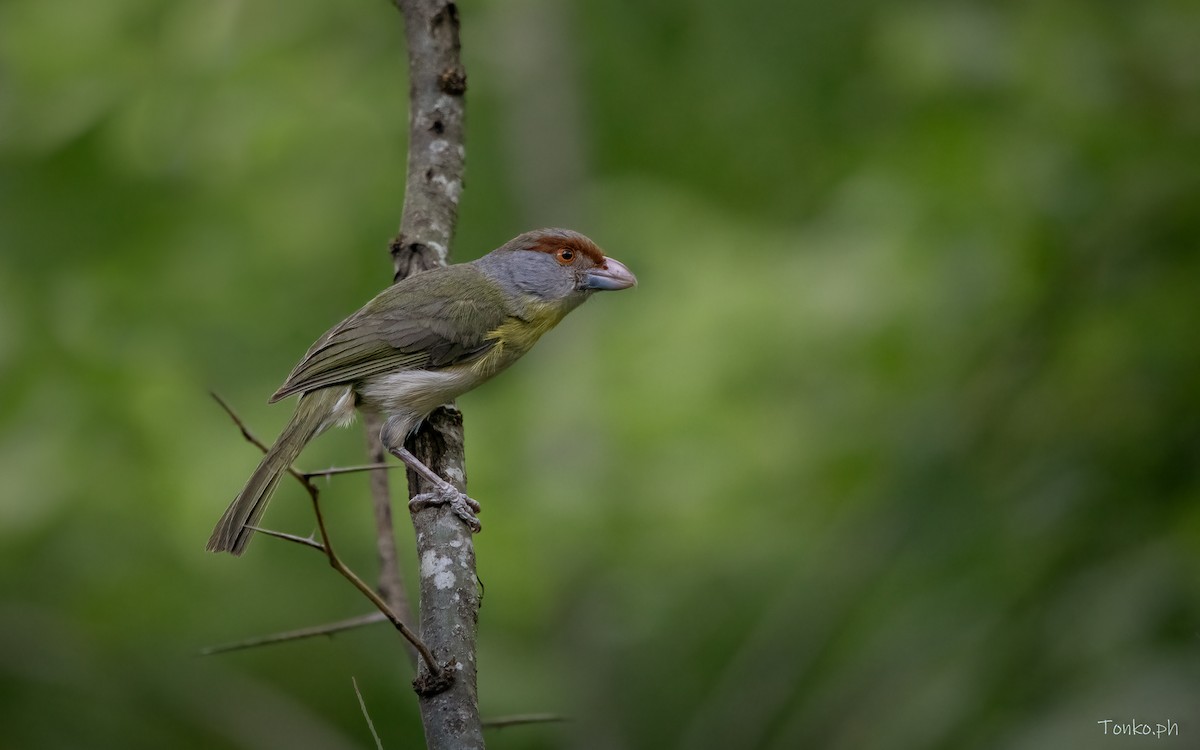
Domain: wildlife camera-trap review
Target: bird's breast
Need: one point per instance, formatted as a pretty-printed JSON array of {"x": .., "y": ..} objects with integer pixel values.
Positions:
[
  {"x": 516, "y": 336},
  {"x": 413, "y": 394}
]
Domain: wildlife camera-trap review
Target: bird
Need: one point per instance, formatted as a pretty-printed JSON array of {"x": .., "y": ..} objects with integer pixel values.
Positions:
[{"x": 420, "y": 343}]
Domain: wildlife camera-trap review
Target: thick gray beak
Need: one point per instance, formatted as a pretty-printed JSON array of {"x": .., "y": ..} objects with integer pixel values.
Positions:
[{"x": 611, "y": 277}]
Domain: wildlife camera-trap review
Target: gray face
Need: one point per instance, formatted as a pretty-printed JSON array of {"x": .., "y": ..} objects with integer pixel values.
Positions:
[
  {"x": 554, "y": 265},
  {"x": 540, "y": 275}
]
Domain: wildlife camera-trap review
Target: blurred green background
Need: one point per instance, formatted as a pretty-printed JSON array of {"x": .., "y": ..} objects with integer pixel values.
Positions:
[{"x": 895, "y": 446}]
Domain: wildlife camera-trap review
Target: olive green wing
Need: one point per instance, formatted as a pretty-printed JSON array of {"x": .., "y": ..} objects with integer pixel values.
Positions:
[{"x": 435, "y": 319}]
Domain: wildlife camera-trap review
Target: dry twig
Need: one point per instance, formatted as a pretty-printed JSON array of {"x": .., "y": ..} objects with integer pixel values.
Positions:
[
  {"x": 516, "y": 720},
  {"x": 329, "y": 629},
  {"x": 327, "y": 547}
]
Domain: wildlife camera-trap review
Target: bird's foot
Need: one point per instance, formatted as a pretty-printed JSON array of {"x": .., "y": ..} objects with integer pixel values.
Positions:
[{"x": 462, "y": 505}]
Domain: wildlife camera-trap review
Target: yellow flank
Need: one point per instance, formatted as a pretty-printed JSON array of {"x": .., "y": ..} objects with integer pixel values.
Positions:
[{"x": 515, "y": 336}]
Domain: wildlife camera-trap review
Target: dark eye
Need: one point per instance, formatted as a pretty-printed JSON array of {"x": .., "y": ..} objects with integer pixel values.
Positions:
[{"x": 565, "y": 255}]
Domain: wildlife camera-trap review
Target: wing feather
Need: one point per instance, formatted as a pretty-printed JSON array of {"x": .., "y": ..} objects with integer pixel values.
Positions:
[{"x": 439, "y": 318}]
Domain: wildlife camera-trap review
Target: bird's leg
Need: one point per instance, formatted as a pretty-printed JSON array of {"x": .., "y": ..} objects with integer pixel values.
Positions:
[{"x": 445, "y": 493}]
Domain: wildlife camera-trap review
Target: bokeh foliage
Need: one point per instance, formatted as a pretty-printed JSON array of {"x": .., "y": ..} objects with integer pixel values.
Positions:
[{"x": 895, "y": 446}]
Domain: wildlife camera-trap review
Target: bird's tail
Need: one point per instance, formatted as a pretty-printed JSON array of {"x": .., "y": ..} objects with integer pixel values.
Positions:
[{"x": 312, "y": 415}]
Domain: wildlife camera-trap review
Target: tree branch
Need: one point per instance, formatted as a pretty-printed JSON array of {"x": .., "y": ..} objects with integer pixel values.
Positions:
[
  {"x": 438, "y": 676},
  {"x": 449, "y": 613},
  {"x": 391, "y": 583},
  {"x": 334, "y": 471},
  {"x": 328, "y": 628},
  {"x": 305, "y": 541},
  {"x": 504, "y": 722},
  {"x": 336, "y": 563},
  {"x": 250, "y": 438}
]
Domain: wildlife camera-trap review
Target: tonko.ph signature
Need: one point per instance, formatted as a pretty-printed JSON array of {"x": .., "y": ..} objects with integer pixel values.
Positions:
[{"x": 1140, "y": 728}]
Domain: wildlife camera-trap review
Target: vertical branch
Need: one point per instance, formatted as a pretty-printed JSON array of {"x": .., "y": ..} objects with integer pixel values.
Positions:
[
  {"x": 449, "y": 595},
  {"x": 391, "y": 584},
  {"x": 449, "y": 598},
  {"x": 436, "y": 84}
]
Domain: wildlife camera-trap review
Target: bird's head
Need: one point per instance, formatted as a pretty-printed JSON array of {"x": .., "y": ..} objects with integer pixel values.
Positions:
[{"x": 556, "y": 266}]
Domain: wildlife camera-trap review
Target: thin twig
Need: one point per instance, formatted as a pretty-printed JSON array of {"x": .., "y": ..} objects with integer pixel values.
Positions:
[
  {"x": 519, "y": 719},
  {"x": 351, "y": 469},
  {"x": 335, "y": 562},
  {"x": 298, "y": 634},
  {"x": 246, "y": 433},
  {"x": 370, "y": 724},
  {"x": 301, "y": 475},
  {"x": 307, "y": 541},
  {"x": 391, "y": 582}
]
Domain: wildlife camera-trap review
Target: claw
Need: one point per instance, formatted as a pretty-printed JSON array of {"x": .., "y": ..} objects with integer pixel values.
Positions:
[{"x": 463, "y": 506}]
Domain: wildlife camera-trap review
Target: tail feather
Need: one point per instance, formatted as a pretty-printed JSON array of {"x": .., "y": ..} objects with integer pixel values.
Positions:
[{"x": 312, "y": 416}]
